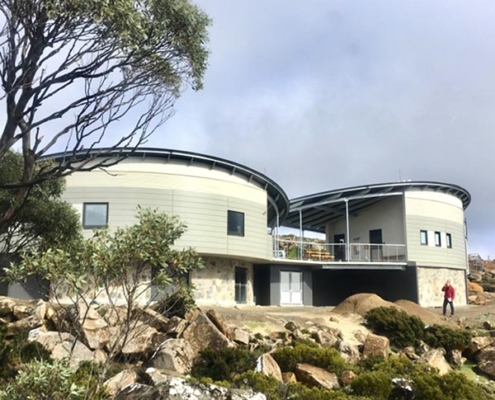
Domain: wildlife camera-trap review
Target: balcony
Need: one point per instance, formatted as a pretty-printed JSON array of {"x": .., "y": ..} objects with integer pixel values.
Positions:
[{"x": 318, "y": 251}]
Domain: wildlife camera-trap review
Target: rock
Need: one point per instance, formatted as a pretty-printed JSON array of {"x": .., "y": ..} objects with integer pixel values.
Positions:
[
  {"x": 94, "y": 328},
  {"x": 487, "y": 325},
  {"x": 241, "y": 336},
  {"x": 156, "y": 376},
  {"x": 179, "y": 389},
  {"x": 349, "y": 352},
  {"x": 99, "y": 356},
  {"x": 376, "y": 345},
  {"x": 153, "y": 319},
  {"x": 474, "y": 288},
  {"x": 141, "y": 339},
  {"x": 174, "y": 355},
  {"x": 202, "y": 334},
  {"x": 218, "y": 321},
  {"x": 410, "y": 353},
  {"x": 422, "y": 348},
  {"x": 268, "y": 366},
  {"x": 176, "y": 326},
  {"x": 291, "y": 326},
  {"x": 475, "y": 277},
  {"x": 289, "y": 377},
  {"x": 62, "y": 345},
  {"x": 455, "y": 358},
  {"x": 121, "y": 380},
  {"x": 485, "y": 354},
  {"x": 325, "y": 339},
  {"x": 436, "y": 359},
  {"x": 477, "y": 343},
  {"x": 488, "y": 368},
  {"x": 402, "y": 389},
  {"x": 316, "y": 377},
  {"x": 23, "y": 325},
  {"x": 347, "y": 377},
  {"x": 360, "y": 336},
  {"x": 6, "y": 305},
  {"x": 22, "y": 311},
  {"x": 478, "y": 300}
]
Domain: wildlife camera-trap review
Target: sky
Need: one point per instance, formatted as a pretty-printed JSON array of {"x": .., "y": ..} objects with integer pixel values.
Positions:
[{"x": 322, "y": 95}]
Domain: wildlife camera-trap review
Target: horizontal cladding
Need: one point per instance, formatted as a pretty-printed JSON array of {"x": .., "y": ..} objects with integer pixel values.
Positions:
[
  {"x": 454, "y": 257},
  {"x": 205, "y": 215}
]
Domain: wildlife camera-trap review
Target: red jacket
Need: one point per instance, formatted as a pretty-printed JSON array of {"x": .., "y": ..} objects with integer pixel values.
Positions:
[{"x": 448, "y": 292}]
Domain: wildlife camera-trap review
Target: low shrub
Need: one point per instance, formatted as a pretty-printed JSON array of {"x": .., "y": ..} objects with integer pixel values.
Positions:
[
  {"x": 223, "y": 364},
  {"x": 402, "y": 329},
  {"x": 374, "y": 384},
  {"x": 178, "y": 303},
  {"x": 327, "y": 358},
  {"x": 450, "y": 339},
  {"x": 268, "y": 385}
]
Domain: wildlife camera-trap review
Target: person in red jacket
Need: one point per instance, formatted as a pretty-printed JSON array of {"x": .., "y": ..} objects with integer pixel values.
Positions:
[{"x": 448, "y": 298}]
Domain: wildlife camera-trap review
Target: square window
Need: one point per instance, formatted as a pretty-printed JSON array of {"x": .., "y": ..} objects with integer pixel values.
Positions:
[
  {"x": 423, "y": 237},
  {"x": 449, "y": 240},
  {"x": 438, "y": 239},
  {"x": 95, "y": 215},
  {"x": 235, "y": 223}
]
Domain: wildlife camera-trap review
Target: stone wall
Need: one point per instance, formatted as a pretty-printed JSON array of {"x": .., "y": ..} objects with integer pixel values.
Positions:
[
  {"x": 215, "y": 283},
  {"x": 431, "y": 281}
]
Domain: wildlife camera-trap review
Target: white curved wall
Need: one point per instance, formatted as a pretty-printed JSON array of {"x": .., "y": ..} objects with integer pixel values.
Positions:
[
  {"x": 199, "y": 195},
  {"x": 435, "y": 212}
]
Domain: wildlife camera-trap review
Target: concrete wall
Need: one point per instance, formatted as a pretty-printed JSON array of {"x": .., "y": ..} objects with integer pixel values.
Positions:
[
  {"x": 431, "y": 281},
  {"x": 435, "y": 212},
  {"x": 200, "y": 197},
  {"x": 215, "y": 284},
  {"x": 387, "y": 215}
]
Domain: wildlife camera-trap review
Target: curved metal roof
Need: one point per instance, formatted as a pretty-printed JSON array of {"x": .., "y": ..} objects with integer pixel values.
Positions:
[
  {"x": 277, "y": 198},
  {"x": 321, "y": 208}
]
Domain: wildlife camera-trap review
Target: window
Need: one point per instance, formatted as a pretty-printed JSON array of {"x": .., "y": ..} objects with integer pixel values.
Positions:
[
  {"x": 449, "y": 240},
  {"x": 95, "y": 215},
  {"x": 235, "y": 223},
  {"x": 438, "y": 239},
  {"x": 423, "y": 237}
]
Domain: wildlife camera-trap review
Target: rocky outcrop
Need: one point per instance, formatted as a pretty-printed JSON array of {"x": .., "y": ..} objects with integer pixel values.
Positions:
[{"x": 376, "y": 346}]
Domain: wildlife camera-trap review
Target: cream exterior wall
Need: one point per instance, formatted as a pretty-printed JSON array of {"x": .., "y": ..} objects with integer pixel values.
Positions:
[
  {"x": 387, "y": 215},
  {"x": 435, "y": 212},
  {"x": 199, "y": 196},
  {"x": 431, "y": 281},
  {"x": 215, "y": 283}
]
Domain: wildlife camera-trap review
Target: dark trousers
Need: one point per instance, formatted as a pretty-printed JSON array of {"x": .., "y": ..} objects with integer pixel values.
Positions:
[{"x": 445, "y": 302}]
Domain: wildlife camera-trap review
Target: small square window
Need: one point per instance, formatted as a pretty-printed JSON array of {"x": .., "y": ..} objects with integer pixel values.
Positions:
[
  {"x": 95, "y": 215},
  {"x": 438, "y": 239},
  {"x": 449, "y": 240},
  {"x": 235, "y": 223},
  {"x": 423, "y": 237}
]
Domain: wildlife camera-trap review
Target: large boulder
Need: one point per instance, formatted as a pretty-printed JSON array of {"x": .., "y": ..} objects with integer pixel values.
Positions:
[
  {"x": 124, "y": 378},
  {"x": 376, "y": 345},
  {"x": 23, "y": 325},
  {"x": 174, "y": 355},
  {"x": 202, "y": 334},
  {"x": 218, "y": 321},
  {"x": 316, "y": 377},
  {"x": 474, "y": 288},
  {"x": 475, "y": 277},
  {"x": 153, "y": 318},
  {"x": 436, "y": 359},
  {"x": 140, "y": 340},
  {"x": 477, "y": 343},
  {"x": 94, "y": 328},
  {"x": 62, "y": 345},
  {"x": 179, "y": 389},
  {"x": 176, "y": 326},
  {"x": 267, "y": 365}
]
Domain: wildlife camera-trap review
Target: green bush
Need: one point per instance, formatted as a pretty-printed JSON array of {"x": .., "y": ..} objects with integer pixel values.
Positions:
[
  {"x": 450, "y": 339},
  {"x": 223, "y": 364},
  {"x": 178, "y": 303},
  {"x": 374, "y": 384},
  {"x": 268, "y": 385},
  {"x": 327, "y": 358},
  {"x": 402, "y": 329}
]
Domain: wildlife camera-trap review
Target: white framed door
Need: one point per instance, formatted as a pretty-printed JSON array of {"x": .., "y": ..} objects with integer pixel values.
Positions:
[{"x": 291, "y": 287}]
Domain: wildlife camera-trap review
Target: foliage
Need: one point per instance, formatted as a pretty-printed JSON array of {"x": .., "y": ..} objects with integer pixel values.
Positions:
[
  {"x": 178, "y": 303},
  {"x": 327, "y": 358},
  {"x": 450, "y": 339},
  {"x": 72, "y": 69},
  {"x": 268, "y": 385},
  {"x": 375, "y": 384},
  {"x": 402, "y": 329},
  {"x": 87, "y": 376},
  {"x": 43, "y": 380},
  {"x": 42, "y": 219},
  {"x": 223, "y": 364}
]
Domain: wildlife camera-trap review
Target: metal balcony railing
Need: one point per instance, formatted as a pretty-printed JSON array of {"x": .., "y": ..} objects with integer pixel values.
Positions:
[{"x": 308, "y": 250}]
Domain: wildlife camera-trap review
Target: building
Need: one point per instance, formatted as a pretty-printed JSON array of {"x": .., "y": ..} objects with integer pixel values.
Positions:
[{"x": 399, "y": 240}]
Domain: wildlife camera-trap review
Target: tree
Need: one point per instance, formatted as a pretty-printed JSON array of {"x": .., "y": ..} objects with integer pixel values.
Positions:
[
  {"x": 75, "y": 71},
  {"x": 43, "y": 220},
  {"x": 124, "y": 271}
]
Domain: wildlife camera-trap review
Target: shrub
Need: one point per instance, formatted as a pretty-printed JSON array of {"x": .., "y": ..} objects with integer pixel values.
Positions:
[
  {"x": 178, "y": 303},
  {"x": 223, "y": 364},
  {"x": 402, "y": 329},
  {"x": 375, "y": 384},
  {"x": 450, "y": 339},
  {"x": 329, "y": 359},
  {"x": 268, "y": 385}
]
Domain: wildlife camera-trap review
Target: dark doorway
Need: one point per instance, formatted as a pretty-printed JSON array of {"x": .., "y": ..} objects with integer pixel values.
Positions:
[
  {"x": 376, "y": 242},
  {"x": 240, "y": 284},
  {"x": 339, "y": 246}
]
